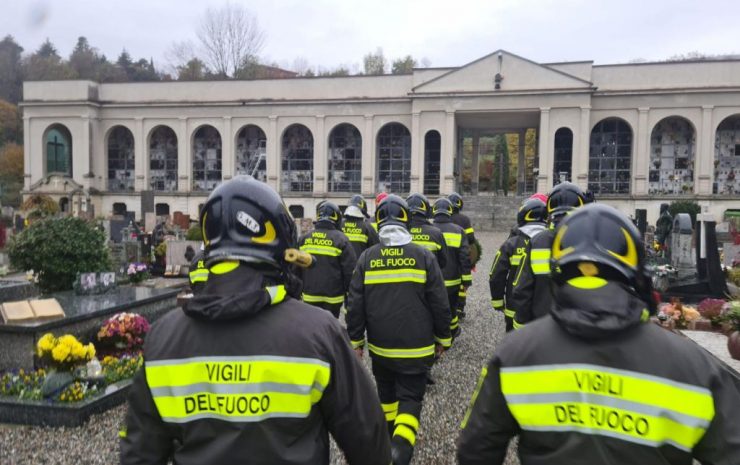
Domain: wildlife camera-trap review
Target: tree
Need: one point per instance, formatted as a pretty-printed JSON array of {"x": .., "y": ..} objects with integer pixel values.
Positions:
[
  {"x": 403, "y": 65},
  {"x": 84, "y": 60},
  {"x": 375, "y": 63},
  {"x": 231, "y": 39},
  {"x": 11, "y": 72},
  {"x": 11, "y": 174},
  {"x": 46, "y": 64},
  {"x": 193, "y": 70},
  {"x": 10, "y": 123},
  {"x": 340, "y": 70},
  {"x": 47, "y": 50}
]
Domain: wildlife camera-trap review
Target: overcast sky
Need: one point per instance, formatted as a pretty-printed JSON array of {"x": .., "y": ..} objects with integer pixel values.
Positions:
[{"x": 328, "y": 33}]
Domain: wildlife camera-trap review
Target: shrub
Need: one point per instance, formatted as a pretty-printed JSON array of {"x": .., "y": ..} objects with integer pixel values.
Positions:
[
  {"x": 194, "y": 233},
  {"x": 685, "y": 206},
  {"x": 57, "y": 249}
]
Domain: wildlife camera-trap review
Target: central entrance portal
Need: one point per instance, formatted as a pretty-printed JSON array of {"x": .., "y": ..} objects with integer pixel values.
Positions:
[{"x": 497, "y": 154}]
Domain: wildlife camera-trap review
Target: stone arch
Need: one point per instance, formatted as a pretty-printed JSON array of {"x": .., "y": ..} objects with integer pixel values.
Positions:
[
  {"x": 57, "y": 144},
  {"x": 121, "y": 161},
  {"x": 163, "y": 154},
  {"x": 432, "y": 159},
  {"x": 727, "y": 156},
  {"x": 251, "y": 152},
  {"x": 206, "y": 158},
  {"x": 672, "y": 156},
  {"x": 393, "y": 158},
  {"x": 297, "y": 159},
  {"x": 345, "y": 159},
  {"x": 610, "y": 157},
  {"x": 562, "y": 155}
]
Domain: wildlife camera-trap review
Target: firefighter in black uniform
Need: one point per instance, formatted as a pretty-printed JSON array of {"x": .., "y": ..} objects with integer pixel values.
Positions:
[
  {"x": 594, "y": 382},
  {"x": 462, "y": 220},
  {"x": 325, "y": 284},
  {"x": 247, "y": 373},
  {"x": 531, "y": 297},
  {"x": 423, "y": 232},
  {"x": 457, "y": 269},
  {"x": 356, "y": 226},
  {"x": 198, "y": 273},
  {"x": 504, "y": 270},
  {"x": 398, "y": 297}
]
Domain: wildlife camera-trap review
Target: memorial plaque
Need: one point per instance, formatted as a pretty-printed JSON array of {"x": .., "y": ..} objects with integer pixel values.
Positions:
[
  {"x": 14, "y": 312},
  {"x": 88, "y": 283},
  {"x": 46, "y": 309}
]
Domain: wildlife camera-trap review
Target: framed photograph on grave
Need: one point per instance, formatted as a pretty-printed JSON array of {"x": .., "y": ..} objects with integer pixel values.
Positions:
[
  {"x": 108, "y": 280},
  {"x": 88, "y": 282}
]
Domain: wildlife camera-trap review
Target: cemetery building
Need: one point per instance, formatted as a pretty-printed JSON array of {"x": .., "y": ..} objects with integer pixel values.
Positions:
[{"x": 637, "y": 135}]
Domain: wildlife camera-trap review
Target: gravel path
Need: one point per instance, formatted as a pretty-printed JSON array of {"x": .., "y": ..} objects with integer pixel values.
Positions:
[{"x": 444, "y": 405}]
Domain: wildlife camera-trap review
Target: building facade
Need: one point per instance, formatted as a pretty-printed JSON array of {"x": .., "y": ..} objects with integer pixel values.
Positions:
[{"x": 636, "y": 135}]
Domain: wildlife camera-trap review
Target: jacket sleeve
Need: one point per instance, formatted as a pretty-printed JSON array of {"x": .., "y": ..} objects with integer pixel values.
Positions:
[
  {"x": 523, "y": 291},
  {"x": 348, "y": 261},
  {"x": 467, "y": 278},
  {"x": 488, "y": 425},
  {"x": 499, "y": 273},
  {"x": 441, "y": 254},
  {"x": 438, "y": 302},
  {"x": 351, "y": 408},
  {"x": 469, "y": 231},
  {"x": 146, "y": 439},
  {"x": 721, "y": 442},
  {"x": 356, "y": 305},
  {"x": 372, "y": 234}
]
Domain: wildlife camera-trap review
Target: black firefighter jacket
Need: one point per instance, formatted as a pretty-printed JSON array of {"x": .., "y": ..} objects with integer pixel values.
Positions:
[
  {"x": 457, "y": 267},
  {"x": 505, "y": 270},
  {"x": 594, "y": 384},
  {"x": 327, "y": 280},
  {"x": 360, "y": 233},
  {"x": 462, "y": 220},
  {"x": 427, "y": 235},
  {"x": 531, "y": 296},
  {"x": 247, "y": 374},
  {"x": 398, "y": 296}
]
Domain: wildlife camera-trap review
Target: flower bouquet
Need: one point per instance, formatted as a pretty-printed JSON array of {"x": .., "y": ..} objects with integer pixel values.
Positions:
[
  {"x": 137, "y": 272},
  {"x": 123, "y": 333},
  {"x": 63, "y": 353}
]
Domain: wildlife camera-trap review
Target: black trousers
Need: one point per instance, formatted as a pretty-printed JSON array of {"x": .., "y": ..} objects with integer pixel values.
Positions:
[
  {"x": 509, "y": 323},
  {"x": 401, "y": 397},
  {"x": 333, "y": 308},
  {"x": 452, "y": 296}
]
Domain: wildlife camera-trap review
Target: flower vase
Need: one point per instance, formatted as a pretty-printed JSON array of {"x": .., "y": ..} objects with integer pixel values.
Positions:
[{"x": 733, "y": 345}]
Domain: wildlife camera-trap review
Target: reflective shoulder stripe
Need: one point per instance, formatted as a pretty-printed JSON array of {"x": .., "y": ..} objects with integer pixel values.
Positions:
[
  {"x": 453, "y": 239},
  {"x": 322, "y": 298},
  {"x": 356, "y": 237},
  {"x": 592, "y": 399},
  {"x": 540, "y": 261},
  {"x": 322, "y": 250},
  {"x": 469, "y": 230},
  {"x": 419, "y": 352},
  {"x": 236, "y": 389},
  {"x": 452, "y": 282},
  {"x": 395, "y": 276},
  {"x": 429, "y": 245}
]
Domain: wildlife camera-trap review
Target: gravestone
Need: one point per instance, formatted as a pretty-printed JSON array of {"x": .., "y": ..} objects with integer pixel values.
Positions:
[
  {"x": 150, "y": 221},
  {"x": 681, "y": 240},
  {"x": 182, "y": 220},
  {"x": 147, "y": 202}
]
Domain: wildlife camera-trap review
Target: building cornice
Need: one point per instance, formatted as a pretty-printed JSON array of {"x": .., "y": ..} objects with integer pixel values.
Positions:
[
  {"x": 502, "y": 93},
  {"x": 215, "y": 103},
  {"x": 682, "y": 90}
]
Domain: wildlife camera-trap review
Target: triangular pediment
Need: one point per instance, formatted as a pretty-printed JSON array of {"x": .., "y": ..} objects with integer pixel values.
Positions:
[{"x": 519, "y": 74}]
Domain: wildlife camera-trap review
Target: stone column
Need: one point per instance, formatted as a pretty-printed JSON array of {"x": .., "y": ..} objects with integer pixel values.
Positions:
[
  {"x": 228, "y": 157},
  {"x": 368, "y": 158},
  {"x": 641, "y": 160},
  {"x": 184, "y": 157},
  {"x": 140, "y": 168},
  {"x": 319, "y": 158},
  {"x": 81, "y": 163},
  {"x": 273, "y": 157},
  {"x": 97, "y": 147},
  {"x": 417, "y": 164},
  {"x": 582, "y": 150},
  {"x": 545, "y": 150},
  {"x": 38, "y": 167},
  {"x": 447, "y": 157},
  {"x": 704, "y": 162},
  {"x": 475, "y": 164},
  {"x": 521, "y": 163}
]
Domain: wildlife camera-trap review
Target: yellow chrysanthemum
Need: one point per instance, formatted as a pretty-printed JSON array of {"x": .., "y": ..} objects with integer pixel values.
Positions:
[
  {"x": 60, "y": 352},
  {"x": 45, "y": 344},
  {"x": 69, "y": 340},
  {"x": 78, "y": 351},
  {"x": 90, "y": 351}
]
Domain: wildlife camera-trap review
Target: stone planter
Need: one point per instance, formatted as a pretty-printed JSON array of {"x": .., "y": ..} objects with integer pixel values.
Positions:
[{"x": 733, "y": 345}]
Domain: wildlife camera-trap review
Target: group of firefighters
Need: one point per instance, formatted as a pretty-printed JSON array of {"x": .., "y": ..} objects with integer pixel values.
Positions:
[{"x": 257, "y": 368}]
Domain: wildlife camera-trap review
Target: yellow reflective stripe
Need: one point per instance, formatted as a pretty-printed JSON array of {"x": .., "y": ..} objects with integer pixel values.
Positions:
[
  {"x": 358, "y": 344},
  {"x": 277, "y": 293},
  {"x": 452, "y": 282},
  {"x": 541, "y": 268},
  {"x": 496, "y": 303},
  {"x": 453, "y": 239},
  {"x": 395, "y": 276},
  {"x": 515, "y": 260},
  {"x": 510, "y": 313},
  {"x": 610, "y": 382},
  {"x": 408, "y": 420},
  {"x": 462, "y": 294},
  {"x": 198, "y": 275},
  {"x": 469, "y": 230},
  {"x": 467, "y": 277},
  {"x": 519, "y": 273},
  {"x": 356, "y": 237},
  {"x": 432, "y": 246},
  {"x": 406, "y": 433},
  {"x": 390, "y": 410},
  {"x": 540, "y": 254},
  {"x": 224, "y": 267},
  {"x": 322, "y": 250},
  {"x": 495, "y": 261},
  {"x": 454, "y": 322},
  {"x": 402, "y": 353},
  {"x": 516, "y": 324},
  {"x": 478, "y": 386},
  {"x": 322, "y": 298},
  {"x": 587, "y": 282},
  {"x": 444, "y": 342},
  {"x": 540, "y": 261},
  {"x": 123, "y": 433}
]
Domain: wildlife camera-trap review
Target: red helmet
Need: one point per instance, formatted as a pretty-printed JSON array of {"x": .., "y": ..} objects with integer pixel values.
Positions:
[
  {"x": 539, "y": 196},
  {"x": 379, "y": 198}
]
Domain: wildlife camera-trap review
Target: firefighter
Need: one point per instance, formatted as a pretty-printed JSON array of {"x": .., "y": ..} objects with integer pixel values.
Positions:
[
  {"x": 198, "y": 273},
  {"x": 357, "y": 227},
  {"x": 462, "y": 220},
  {"x": 378, "y": 198},
  {"x": 595, "y": 382},
  {"x": 398, "y": 297},
  {"x": 424, "y": 233},
  {"x": 531, "y": 297},
  {"x": 246, "y": 372},
  {"x": 457, "y": 269},
  {"x": 503, "y": 276},
  {"x": 325, "y": 284}
]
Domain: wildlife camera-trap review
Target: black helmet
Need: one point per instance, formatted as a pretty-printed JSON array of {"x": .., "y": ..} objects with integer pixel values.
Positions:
[
  {"x": 359, "y": 201},
  {"x": 245, "y": 219},
  {"x": 532, "y": 211},
  {"x": 598, "y": 241},
  {"x": 420, "y": 205},
  {"x": 457, "y": 201},
  {"x": 443, "y": 206},
  {"x": 392, "y": 210},
  {"x": 328, "y": 211},
  {"x": 563, "y": 198}
]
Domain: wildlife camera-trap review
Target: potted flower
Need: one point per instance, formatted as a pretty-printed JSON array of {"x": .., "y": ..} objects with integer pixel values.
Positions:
[
  {"x": 137, "y": 272},
  {"x": 63, "y": 355},
  {"x": 732, "y": 318},
  {"x": 711, "y": 309},
  {"x": 123, "y": 333}
]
